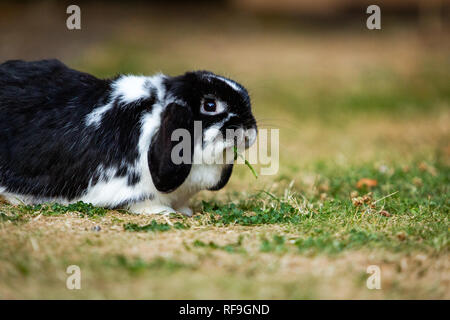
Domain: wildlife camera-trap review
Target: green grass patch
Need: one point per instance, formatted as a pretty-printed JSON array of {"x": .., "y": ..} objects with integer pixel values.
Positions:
[
  {"x": 54, "y": 209},
  {"x": 10, "y": 217},
  {"x": 277, "y": 244},
  {"x": 137, "y": 264},
  {"x": 154, "y": 227},
  {"x": 407, "y": 210},
  {"x": 235, "y": 247}
]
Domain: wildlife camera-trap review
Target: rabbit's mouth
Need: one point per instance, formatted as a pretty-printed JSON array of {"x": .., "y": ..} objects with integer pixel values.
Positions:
[
  {"x": 240, "y": 138},
  {"x": 215, "y": 144}
]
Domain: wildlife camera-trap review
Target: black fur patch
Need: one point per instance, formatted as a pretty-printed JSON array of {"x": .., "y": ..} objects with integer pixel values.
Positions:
[
  {"x": 166, "y": 175},
  {"x": 193, "y": 86},
  {"x": 46, "y": 150}
]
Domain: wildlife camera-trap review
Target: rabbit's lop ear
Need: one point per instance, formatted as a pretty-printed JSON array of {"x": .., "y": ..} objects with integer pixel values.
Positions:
[{"x": 168, "y": 167}]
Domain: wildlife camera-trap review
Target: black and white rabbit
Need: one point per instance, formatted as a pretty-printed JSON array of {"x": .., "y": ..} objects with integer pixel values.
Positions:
[{"x": 67, "y": 136}]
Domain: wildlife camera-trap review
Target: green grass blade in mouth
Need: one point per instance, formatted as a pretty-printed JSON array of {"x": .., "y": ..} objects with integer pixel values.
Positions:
[{"x": 236, "y": 154}]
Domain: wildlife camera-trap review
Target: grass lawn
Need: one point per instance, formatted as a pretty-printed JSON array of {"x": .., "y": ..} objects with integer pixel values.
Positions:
[{"x": 349, "y": 106}]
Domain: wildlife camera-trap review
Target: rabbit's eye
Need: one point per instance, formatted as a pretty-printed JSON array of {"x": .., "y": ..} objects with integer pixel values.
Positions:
[{"x": 209, "y": 106}]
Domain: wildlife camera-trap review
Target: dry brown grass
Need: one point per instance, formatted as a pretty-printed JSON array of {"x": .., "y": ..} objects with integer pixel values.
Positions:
[{"x": 49, "y": 244}]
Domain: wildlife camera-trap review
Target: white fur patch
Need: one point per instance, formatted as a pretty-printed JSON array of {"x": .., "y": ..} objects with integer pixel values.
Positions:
[
  {"x": 95, "y": 117},
  {"x": 131, "y": 88},
  {"x": 204, "y": 176},
  {"x": 127, "y": 89},
  {"x": 156, "y": 82},
  {"x": 211, "y": 133},
  {"x": 111, "y": 190},
  {"x": 229, "y": 82},
  {"x": 251, "y": 136}
]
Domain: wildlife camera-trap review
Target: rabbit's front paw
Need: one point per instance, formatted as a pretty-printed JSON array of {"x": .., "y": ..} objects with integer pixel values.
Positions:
[
  {"x": 186, "y": 211},
  {"x": 155, "y": 209}
]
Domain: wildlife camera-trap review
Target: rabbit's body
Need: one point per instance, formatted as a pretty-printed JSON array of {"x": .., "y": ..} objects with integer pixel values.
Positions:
[{"x": 67, "y": 136}]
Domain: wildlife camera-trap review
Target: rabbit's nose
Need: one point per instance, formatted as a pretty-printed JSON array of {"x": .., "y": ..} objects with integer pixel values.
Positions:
[{"x": 250, "y": 137}]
